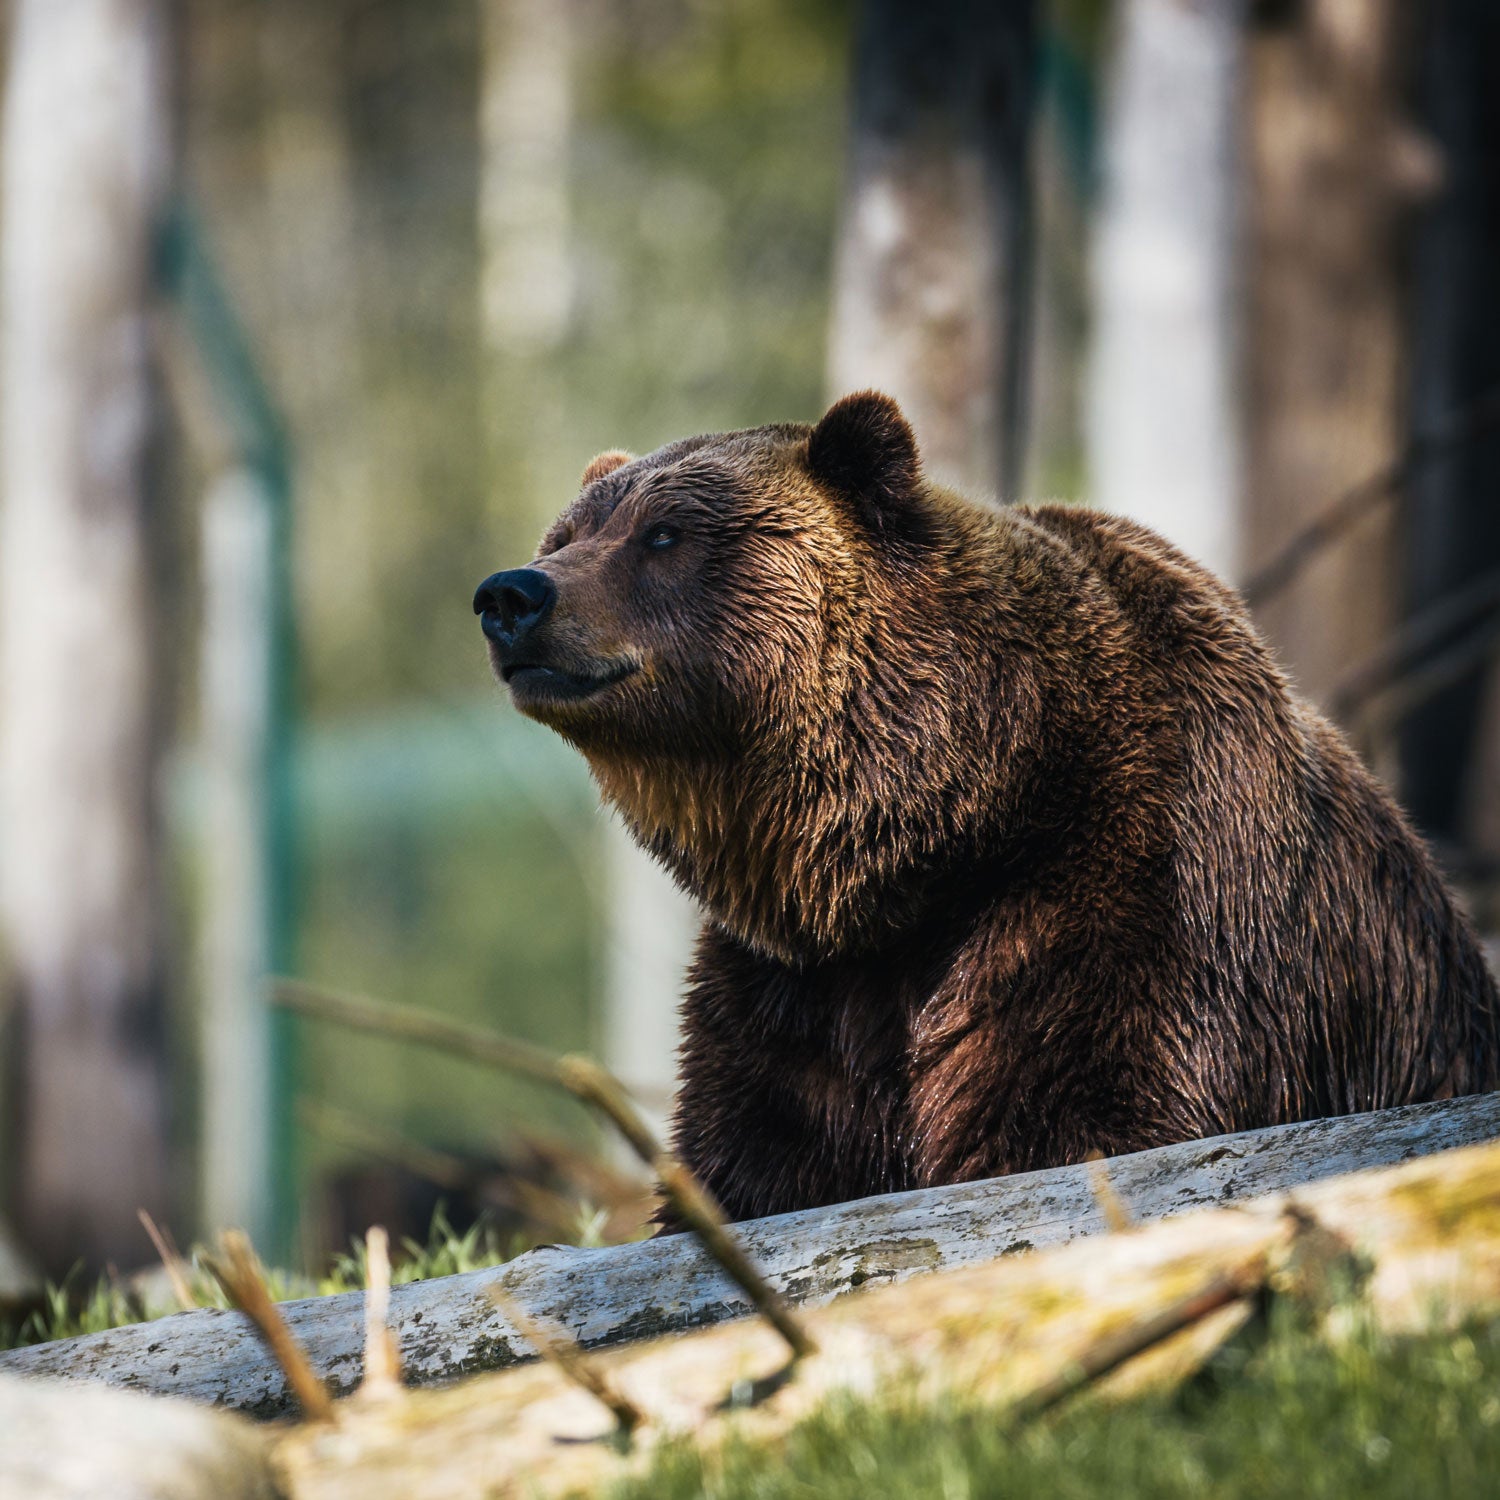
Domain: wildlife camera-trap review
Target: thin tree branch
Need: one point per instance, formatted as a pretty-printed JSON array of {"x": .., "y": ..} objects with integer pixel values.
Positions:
[
  {"x": 171, "y": 1261},
  {"x": 1111, "y": 1206},
  {"x": 405, "y": 1024},
  {"x": 558, "y": 1349},
  {"x": 1329, "y": 524},
  {"x": 382, "y": 1358},
  {"x": 236, "y": 1270},
  {"x": 586, "y": 1080},
  {"x": 1114, "y": 1350},
  {"x": 1442, "y": 671},
  {"x": 1407, "y": 646}
]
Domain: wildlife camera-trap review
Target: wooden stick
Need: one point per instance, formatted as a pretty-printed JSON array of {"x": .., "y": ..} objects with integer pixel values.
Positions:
[
  {"x": 382, "y": 1359},
  {"x": 237, "y": 1272},
  {"x": 558, "y": 1349},
  {"x": 172, "y": 1263},
  {"x": 406, "y": 1024},
  {"x": 587, "y": 1081},
  {"x": 1115, "y": 1349},
  {"x": 693, "y": 1202},
  {"x": 662, "y": 1285}
]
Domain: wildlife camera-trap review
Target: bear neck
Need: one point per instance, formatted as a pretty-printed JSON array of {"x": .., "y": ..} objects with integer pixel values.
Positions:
[
  {"x": 797, "y": 875},
  {"x": 834, "y": 837}
]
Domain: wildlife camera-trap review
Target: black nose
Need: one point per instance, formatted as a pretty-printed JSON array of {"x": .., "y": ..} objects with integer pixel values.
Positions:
[{"x": 511, "y": 603}]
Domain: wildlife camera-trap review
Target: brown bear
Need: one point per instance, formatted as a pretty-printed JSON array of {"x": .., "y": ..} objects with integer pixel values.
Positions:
[{"x": 1012, "y": 841}]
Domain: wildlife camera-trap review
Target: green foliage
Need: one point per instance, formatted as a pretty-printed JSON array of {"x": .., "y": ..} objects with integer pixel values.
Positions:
[
  {"x": 446, "y": 1253},
  {"x": 1368, "y": 1417},
  {"x": 484, "y": 916},
  {"x": 64, "y": 1315},
  {"x": 67, "y": 1310}
]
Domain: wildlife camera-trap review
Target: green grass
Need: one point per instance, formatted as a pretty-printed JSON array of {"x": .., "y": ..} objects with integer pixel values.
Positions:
[
  {"x": 1408, "y": 1420},
  {"x": 68, "y": 1310}
]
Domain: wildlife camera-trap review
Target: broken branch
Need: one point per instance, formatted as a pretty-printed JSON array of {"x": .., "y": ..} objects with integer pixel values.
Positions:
[
  {"x": 382, "y": 1361},
  {"x": 556, "y": 1348},
  {"x": 236, "y": 1270},
  {"x": 588, "y": 1082}
]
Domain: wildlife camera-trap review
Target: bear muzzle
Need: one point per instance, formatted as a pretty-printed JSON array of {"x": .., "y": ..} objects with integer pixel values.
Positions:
[{"x": 512, "y": 607}]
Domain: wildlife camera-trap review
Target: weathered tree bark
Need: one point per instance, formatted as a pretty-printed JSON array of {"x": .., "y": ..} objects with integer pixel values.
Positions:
[
  {"x": 1332, "y": 168},
  {"x": 449, "y": 1326},
  {"x": 1163, "y": 425},
  {"x": 86, "y": 156},
  {"x": 930, "y": 293},
  {"x": 1451, "y": 746}
]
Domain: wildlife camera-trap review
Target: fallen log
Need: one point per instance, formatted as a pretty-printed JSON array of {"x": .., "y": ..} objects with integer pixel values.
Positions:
[
  {"x": 1400, "y": 1250},
  {"x": 65, "y": 1441},
  {"x": 450, "y": 1326}
]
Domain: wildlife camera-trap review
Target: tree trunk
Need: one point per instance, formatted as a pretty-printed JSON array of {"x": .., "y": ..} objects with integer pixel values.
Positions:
[
  {"x": 86, "y": 157},
  {"x": 1162, "y": 423},
  {"x": 1451, "y": 746},
  {"x": 1327, "y": 152},
  {"x": 930, "y": 291}
]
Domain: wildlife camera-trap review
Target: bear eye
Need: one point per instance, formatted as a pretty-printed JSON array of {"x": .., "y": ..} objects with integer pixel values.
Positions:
[{"x": 660, "y": 536}]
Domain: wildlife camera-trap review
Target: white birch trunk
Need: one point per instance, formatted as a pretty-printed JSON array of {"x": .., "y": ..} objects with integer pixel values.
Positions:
[
  {"x": 85, "y": 159},
  {"x": 1163, "y": 444},
  {"x": 525, "y": 129},
  {"x": 650, "y": 942}
]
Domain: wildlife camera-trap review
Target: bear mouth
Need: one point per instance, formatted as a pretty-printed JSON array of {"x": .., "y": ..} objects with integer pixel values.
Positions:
[{"x": 534, "y": 681}]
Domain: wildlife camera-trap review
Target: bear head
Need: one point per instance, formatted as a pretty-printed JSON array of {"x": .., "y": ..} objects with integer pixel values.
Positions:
[{"x": 746, "y": 636}]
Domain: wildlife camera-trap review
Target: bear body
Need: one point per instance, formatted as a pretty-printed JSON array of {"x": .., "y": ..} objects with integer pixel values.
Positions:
[{"x": 1012, "y": 842}]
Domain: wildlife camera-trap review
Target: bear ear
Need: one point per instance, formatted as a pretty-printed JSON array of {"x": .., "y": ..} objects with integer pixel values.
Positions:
[
  {"x": 864, "y": 448},
  {"x": 606, "y": 463}
]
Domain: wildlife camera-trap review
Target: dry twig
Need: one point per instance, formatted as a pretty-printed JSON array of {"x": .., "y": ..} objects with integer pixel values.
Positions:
[
  {"x": 558, "y": 1349},
  {"x": 587, "y": 1081},
  {"x": 237, "y": 1272},
  {"x": 171, "y": 1261},
  {"x": 1114, "y": 1349},
  {"x": 1116, "y": 1215},
  {"x": 382, "y": 1358}
]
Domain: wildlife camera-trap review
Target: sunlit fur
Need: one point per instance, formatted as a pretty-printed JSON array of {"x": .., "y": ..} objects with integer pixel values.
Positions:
[{"x": 1012, "y": 842}]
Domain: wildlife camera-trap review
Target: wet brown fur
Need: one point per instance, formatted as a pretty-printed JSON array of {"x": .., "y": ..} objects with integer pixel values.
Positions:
[{"x": 1012, "y": 841}]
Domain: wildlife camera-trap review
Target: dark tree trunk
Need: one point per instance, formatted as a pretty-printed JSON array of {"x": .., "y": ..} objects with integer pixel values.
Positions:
[
  {"x": 1326, "y": 142},
  {"x": 931, "y": 295},
  {"x": 1451, "y": 745}
]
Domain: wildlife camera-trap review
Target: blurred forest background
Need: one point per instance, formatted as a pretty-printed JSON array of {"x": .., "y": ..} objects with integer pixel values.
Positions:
[{"x": 312, "y": 316}]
